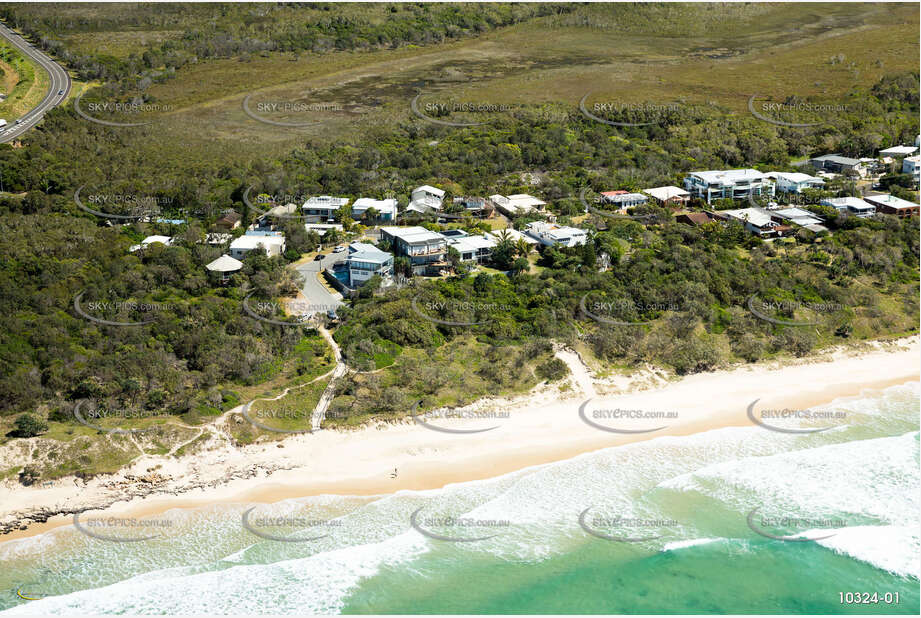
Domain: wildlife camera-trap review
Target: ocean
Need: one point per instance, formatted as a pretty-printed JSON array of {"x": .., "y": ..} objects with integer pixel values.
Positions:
[{"x": 737, "y": 520}]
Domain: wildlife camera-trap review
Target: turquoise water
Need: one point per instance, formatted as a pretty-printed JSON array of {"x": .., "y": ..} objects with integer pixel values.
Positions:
[{"x": 692, "y": 494}]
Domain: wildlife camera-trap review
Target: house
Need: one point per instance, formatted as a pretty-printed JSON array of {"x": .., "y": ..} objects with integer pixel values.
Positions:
[
  {"x": 669, "y": 195},
  {"x": 694, "y": 218},
  {"x": 911, "y": 165},
  {"x": 731, "y": 184},
  {"x": 795, "y": 182},
  {"x": 386, "y": 209},
  {"x": 166, "y": 240},
  {"x": 425, "y": 249},
  {"x": 365, "y": 260},
  {"x": 214, "y": 238},
  {"x": 322, "y": 208},
  {"x": 513, "y": 235},
  {"x": 802, "y": 218},
  {"x": 272, "y": 243},
  {"x": 623, "y": 200},
  {"x": 898, "y": 151},
  {"x": 475, "y": 206},
  {"x": 551, "y": 234},
  {"x": 757, "y": 221},
  {"x": 850, "y": 205},
  {"x": 837, "y": 164},
  {"x": 224, "y": 266},
  {"x": 517, "y": 204},
  {"x": 322, "y": 228},
  {"x": 425, "y": 198},
  {"x": 472, "y": 248},
  {"x": 892, "y": 205},
  {"x": 230, "y": 221}
]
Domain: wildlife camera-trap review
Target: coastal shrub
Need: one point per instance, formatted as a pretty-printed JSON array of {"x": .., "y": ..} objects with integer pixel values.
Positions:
[
  {"x": 552, "y": 370},
  {"x": 27, "y": 426}
]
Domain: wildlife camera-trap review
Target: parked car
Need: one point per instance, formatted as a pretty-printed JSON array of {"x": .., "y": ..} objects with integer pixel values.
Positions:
[
  {"x": 319, "y": 257},
  {"x": 60, "y": 92},
  {"x": 331, "y": 314},
  {"x": 339, "y": 249}
]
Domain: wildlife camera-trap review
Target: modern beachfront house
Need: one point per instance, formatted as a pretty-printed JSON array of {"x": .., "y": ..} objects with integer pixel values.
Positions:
[
  {"x": 322, "y": 208},
  {"x": 472, "y": 248},
  {"x": 837, "y": 164},
  {"x": 727, "y": 184},
  {"x": 756, "y": 220},
  {"x": 386, "y": 209},
  {"x": 273, "y": 243},
  {"x": 425, "y": 249},
  {"x": 623, "y": 199},
  {"x": 795, "y": 182},
  {"x": 365, "y": 260},
  {"x": 425, "y": 199},
  {"x": 851, "y": 205},
  {"x": 911, "y": 165},
  {"x": 517, "y": 204},
  {"x": 551, "y": 234}
]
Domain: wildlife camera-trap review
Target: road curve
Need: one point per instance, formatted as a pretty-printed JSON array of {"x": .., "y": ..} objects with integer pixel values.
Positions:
[{"x": 60, "y": 80}]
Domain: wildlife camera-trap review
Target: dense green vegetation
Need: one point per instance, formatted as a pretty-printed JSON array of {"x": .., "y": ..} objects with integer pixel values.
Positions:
[{"x": 689, "y": 287}]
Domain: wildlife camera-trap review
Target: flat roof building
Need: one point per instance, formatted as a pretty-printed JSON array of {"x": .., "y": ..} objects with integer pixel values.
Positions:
[
  {"x": 727, "y": 184},
  {"x": 892, "y": 205}
]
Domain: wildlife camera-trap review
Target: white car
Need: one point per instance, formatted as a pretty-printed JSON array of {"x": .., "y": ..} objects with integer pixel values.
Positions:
[{"x": 339, "y": 249}]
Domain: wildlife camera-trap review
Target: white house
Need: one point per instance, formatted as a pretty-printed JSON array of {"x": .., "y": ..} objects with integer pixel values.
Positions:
[
  {"x": 624, "y": 200},
  {"x": 365, "y": 261},
  {"x": 272, "y": 244},
  {"x": 425, "y": 198},
  {"x": 851, "y": 205},
  {"x": 323, "y": 207},
  {"x": 517, "y": 204},
  {"x": 732, "y": 184},
  {"x": 669, "y": 195},
  {"x": 911, "y": 165},
  {"x": 898, "y": 151},
  {"x": 424, "y": 248},
  {"x": 795, "y": 182},
  {"x": 756, "y": 220},
  {"x": 476, "y": 248},
  {"x": 166, "y": 240},
  {"x": 551, "y": 234},
  {"x": 386, "y": 209},
  {"x": 802, "y": 218}
]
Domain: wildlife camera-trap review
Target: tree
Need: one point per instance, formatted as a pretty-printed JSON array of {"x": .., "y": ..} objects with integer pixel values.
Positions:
[{"x": 27, "y": 426}]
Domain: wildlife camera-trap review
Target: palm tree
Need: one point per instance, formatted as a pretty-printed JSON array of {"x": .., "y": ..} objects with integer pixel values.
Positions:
[{"x": 523, "y": 248}]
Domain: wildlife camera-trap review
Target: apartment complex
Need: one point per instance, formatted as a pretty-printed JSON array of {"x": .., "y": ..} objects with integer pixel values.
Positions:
[
  {"x": 425, "y": 249},
  {"x": 727, "y": 184}
]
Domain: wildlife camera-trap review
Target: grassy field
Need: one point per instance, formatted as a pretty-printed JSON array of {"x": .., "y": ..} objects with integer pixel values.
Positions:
[
  {"x": 695, "y": 56},
  {"x": 23, "y": 82}
]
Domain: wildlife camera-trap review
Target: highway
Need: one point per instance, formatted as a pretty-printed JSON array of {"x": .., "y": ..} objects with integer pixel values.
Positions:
[{"x": 60, "y": 82}]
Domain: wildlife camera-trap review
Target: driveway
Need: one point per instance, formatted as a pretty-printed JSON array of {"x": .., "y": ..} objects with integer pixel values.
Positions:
[{"x": 315, "y": 292}]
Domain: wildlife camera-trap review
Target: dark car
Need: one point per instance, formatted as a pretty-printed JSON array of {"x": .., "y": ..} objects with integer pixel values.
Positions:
[
  {"x": 331, "y": 314},
  {"x": 319, "y": 257}
]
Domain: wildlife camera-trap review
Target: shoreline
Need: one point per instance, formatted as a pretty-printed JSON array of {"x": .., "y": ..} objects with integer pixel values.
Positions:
[{"x": 542, "y": 428}]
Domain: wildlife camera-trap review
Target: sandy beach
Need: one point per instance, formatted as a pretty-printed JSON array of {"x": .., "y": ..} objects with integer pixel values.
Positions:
[{"x": 542, "y": 427}]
